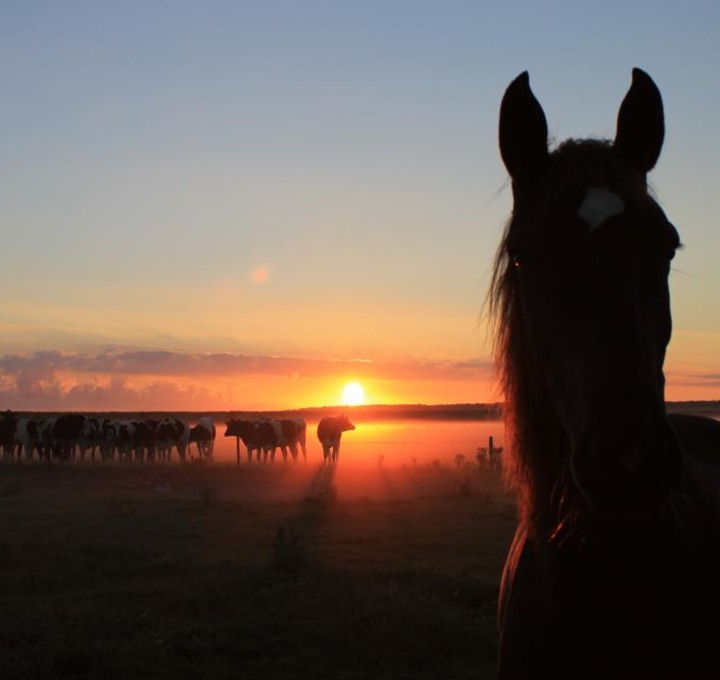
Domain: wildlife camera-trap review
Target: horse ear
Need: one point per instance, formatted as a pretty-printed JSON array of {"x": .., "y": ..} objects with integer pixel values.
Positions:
[
  {"x": 523, "y": 130},
  {"x": 641, "y": 123}
]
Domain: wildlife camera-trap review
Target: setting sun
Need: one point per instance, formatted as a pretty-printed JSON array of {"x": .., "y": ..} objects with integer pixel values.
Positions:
[{"x": 353, "y": 394}]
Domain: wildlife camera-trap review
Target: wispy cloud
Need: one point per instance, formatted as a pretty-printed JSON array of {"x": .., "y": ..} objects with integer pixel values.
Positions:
[{"x": 703, "y": 380}]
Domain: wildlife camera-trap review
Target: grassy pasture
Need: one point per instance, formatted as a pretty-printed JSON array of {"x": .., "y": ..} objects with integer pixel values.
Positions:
[{"x": 257, "y": 572}]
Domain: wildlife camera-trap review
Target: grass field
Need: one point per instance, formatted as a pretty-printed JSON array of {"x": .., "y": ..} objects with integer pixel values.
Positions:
[{"x": 257, "y": 572}]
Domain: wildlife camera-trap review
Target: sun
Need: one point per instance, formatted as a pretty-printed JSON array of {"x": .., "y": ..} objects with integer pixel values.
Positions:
[{"x": 353, "y": 394}]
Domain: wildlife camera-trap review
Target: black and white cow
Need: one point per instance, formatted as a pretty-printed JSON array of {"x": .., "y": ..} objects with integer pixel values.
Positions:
[
  {"x": 266, "y": 435},
  {"x": 203, "y": 435},
  {"x": 172, "y": 432},
  {"x": 27, "y": 437},
  {"x": 108, "y": 439},
  {"x": 89, "y": 438},
  {"x": 293, "y": 433},
  {"x": 34, "y": 435},
  {"x": 329, "y": 432},
  {"x": 282, "y": 434},
  {"x": 124, "y": 437},
  {"x": 270, "y": 437},
  {"x": 145, "y": 439},
  {"x": 8, "y": 425},
  {"x": 130, "y": 439},
  {"x": 67, "y": 430},
  {"x": 247, "y": 431}
]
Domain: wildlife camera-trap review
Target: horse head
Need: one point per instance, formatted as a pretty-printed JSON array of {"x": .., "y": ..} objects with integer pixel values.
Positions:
[{"x": 581, "y": 291}]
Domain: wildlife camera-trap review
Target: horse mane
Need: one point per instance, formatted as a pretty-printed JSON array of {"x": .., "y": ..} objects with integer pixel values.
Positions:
[{"x": 537, "y": 455}]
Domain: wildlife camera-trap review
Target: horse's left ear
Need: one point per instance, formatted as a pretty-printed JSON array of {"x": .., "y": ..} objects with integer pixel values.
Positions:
[
  {"x": 523, "y": 130},
  {"x": 641, "y": 123}
]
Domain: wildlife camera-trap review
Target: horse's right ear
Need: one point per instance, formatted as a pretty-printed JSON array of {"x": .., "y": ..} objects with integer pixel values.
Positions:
[{"x": 523, "y": 130}]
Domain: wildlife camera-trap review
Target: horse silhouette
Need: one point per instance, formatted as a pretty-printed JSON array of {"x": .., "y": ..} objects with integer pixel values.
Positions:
[{"x": 615, "y": 566}]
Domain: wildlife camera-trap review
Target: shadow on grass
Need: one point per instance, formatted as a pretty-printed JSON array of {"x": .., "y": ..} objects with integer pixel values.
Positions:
[
  {"x": 97, "y": 583},
  {"x": 270, "y": 623}
]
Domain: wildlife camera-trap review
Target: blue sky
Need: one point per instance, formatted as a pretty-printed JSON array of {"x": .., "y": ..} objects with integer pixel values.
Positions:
[{"x": 312, "y": 180}]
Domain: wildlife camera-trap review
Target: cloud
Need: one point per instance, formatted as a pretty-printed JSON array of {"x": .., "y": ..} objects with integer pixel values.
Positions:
[
  {"x": 702, "y": 380},
  {"x": 118, "y": 395},
  {"x": 142, "y": 379},
  {"x": 223, "y": 364}
]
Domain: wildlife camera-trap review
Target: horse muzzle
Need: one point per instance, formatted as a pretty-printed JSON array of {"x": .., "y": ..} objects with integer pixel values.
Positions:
[{"x": 626, "y": 471}]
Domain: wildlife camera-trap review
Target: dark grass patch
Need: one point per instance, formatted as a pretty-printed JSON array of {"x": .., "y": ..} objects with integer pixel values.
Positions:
[{"x": 100, "y": 581}]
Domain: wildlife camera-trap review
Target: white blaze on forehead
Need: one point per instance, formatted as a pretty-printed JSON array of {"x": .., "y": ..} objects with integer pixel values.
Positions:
[{"x": 600, "y": 205}]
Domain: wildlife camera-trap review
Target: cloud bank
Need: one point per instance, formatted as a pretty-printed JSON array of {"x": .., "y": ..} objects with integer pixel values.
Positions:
[{"x": 170, "y": 380}]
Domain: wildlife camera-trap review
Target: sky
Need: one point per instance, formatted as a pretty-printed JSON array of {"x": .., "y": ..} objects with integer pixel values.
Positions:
[{"x": 246, "y": 205}]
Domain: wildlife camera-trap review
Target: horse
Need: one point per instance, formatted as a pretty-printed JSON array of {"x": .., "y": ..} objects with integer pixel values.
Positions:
[
  {"x": 329, "y": 432},
  {"x": 614, "y": 570}
]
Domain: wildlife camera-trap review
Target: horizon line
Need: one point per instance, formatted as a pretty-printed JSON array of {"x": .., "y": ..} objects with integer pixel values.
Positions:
[{"x": 458, "y": 407}]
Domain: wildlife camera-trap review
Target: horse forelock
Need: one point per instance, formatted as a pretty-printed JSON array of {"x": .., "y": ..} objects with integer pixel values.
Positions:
[
  {"x": 527, "y": 435},
  {"x": 577, "y": 164}
]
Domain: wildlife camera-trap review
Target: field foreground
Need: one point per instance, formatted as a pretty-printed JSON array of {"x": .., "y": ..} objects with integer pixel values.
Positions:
[{"x": 257, "y": 572}]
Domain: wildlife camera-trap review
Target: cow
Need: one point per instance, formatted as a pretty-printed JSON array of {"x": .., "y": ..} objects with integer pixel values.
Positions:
[
  {"x": 274, "y": 435},
  {"x": 172, "y": 432},
  {"x": 247, "y": 431},
  {"x": 108, "y": 439},
  {"x": 122, "y": 435},
  {"x": 203, "y": 435},
  {"x": 44, "y": 441},
  {"x": 89, "y": 438},
  {"x": 259, "y": 436},
  {"x": 27, "y": 437},
  {"x": 145, "y": 440},
  {"x": 67, "y": 431},
  {"x": 8, "y": 425},
  {"x": 131, "y": 439},
  {"x": 293, "y": 432},
  {"x": 266, "y": 435},
  {"x": 271, "y": 437},
  {"x": 281, "y": 434},
  {"x": 329, "y": 432}
]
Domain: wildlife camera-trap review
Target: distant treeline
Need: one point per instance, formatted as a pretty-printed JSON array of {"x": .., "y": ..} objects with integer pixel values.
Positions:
[
  {"x": 409, "y": 411},
  {"x": 492, "y": 411},
  {"x": 367, "y": 412},
  {"x": 706, "y": 408}
]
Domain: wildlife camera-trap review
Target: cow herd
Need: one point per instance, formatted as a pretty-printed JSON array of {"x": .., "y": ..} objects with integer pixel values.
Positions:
[{"x": 78, "y": 437}]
